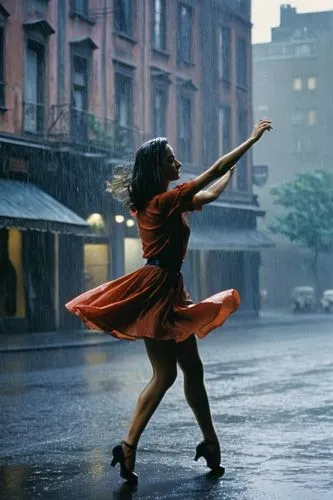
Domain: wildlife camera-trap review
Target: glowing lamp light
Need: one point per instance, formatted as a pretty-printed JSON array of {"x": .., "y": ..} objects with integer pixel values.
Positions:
[
  {"x": 96, "y": 221},
  {"x": 119, "y": 219},
  {"x": 130, "y": 223}
]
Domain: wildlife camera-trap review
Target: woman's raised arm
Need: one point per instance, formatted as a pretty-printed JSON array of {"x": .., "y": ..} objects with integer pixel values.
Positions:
[{"x": 224, "y": 164}]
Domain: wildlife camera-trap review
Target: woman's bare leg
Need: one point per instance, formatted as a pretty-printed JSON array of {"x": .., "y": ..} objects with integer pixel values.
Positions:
[
  {"x": 195, "y": 392},
  {"x": 162, "y": 355}
]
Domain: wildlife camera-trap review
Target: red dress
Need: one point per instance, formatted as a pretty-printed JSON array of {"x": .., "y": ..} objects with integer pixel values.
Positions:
[{"x": 151, "y": 301}]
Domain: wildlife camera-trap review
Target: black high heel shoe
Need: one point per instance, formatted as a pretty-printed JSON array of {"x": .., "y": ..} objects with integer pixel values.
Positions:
[
  {"x": 119, "y": 457},
  {"x": 210, "y": 450}
]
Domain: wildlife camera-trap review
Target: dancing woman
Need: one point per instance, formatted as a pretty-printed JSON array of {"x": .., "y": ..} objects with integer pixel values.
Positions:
[{"x": 151, "y": 302}]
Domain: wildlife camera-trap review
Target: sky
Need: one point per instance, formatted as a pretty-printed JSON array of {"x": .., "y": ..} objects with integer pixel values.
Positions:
[{"x": 266, "y": 13}]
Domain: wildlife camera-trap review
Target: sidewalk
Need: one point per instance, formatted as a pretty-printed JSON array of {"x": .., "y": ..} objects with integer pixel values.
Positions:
[{"x": 87, "y": 338}]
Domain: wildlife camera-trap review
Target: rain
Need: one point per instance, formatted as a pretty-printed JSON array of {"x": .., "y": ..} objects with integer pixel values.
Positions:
[{"x": 83, "y": 84}]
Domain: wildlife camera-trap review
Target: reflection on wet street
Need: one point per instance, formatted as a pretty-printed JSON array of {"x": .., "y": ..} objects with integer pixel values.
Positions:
[{"x": 271, "y": 398}]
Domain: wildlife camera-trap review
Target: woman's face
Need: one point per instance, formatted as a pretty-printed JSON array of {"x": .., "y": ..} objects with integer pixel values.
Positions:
[{"x": 171, "y": 166}]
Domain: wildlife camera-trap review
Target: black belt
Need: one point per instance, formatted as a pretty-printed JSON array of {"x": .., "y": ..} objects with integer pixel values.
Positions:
[{"x": 169, "y": 266}]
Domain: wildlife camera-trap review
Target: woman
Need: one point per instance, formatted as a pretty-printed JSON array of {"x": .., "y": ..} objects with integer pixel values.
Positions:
[{"x": 151, "y": 303}]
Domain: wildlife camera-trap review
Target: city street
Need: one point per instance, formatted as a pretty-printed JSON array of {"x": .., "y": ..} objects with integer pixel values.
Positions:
[{"x": 271, "y": 395}]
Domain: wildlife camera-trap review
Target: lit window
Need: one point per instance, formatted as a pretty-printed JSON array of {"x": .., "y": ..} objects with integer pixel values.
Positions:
[
  {"x": 297, "y": 84},
  {"x": 312, "y": 117},
  {"x": 312, "y": 83}
]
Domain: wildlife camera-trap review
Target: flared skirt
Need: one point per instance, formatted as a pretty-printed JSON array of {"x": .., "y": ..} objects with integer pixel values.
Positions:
[{"x": 152, "y": 302}]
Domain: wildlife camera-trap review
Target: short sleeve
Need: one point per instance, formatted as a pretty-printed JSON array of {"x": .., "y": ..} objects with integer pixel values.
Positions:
[{"x": 177, "y": 200}]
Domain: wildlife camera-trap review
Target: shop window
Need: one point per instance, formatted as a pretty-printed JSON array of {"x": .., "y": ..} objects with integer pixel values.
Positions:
[
  {"x": 12, "y": 298},
  {"x": 133, "y": 254},
  {"x": 96, "y": 264}
]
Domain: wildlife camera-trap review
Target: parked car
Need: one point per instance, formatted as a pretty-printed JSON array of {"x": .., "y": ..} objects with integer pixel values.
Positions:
[
  {"x": 326, "y": 302},
  {"x": 303, "y": 299}
]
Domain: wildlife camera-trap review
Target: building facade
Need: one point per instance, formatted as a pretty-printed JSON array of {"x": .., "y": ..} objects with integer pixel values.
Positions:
[
  {"x": 292, "y": 82},
  {"x": 84, "y": 84}
]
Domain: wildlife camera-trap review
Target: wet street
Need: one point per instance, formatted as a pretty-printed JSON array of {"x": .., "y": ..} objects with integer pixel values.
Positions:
[{"x": 271, "y": 393}]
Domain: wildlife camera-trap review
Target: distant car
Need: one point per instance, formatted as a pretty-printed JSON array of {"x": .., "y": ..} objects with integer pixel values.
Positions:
[
  {"x": 326, "y": 302},
  {"x": 303, "y": 299}
]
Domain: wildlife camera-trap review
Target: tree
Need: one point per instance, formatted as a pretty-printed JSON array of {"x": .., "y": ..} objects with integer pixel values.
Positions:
[{"x": 308, "y": 218}]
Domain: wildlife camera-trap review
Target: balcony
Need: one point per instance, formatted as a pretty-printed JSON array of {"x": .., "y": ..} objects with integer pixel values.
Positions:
[{"x": 74, "y": 127}]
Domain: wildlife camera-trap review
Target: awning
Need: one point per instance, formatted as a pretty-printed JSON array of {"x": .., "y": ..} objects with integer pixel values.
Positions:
[
  {"x": 25, "y": 206},
  {"x": 228, "y": 239}
]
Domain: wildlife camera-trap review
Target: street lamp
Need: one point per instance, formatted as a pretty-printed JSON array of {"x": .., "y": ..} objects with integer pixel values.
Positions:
[
  {"x": 119, "y": 219},
  {"x": 130, "y": 223}
]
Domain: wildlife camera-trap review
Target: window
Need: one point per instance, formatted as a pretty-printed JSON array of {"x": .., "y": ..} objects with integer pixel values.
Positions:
[
  {"x": 242, "y": 6},
  {"x": 223, "y": 51},
  {"x": 79, "y": 117},
  {"x": 80, "y": 7},
  {"x": 79, "y": 90},
  {"x": 34, "y": 88},
  {"x": 297, "y": 84},
  {"x": 223, "y": 130},
  {"x": 159, "y": 25},
  {"x": 123, "y": 16},
  {"x": 242, "y": 181},
  {"x": 159, "y": 111},
  {"x": 2, "y": 67},
  {"x": 312, "y": 83},
  {"x": 241, "y": 62},
  {"x": 312, "y": 117},
  {"x": 302, "y": 50},
  {"x": 185, "y": 34},
  {"x": 124, "y": 100},
  {"x": 298, "y": 117},
  {"x": 185, "y": 128}
]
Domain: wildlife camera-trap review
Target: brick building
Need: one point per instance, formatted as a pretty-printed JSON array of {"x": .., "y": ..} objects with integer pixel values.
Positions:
[{"x": 82, "y": 86}]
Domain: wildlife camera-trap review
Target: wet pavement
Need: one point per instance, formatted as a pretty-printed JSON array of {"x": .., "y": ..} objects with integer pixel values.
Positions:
[{"x": 271, "y": 396}]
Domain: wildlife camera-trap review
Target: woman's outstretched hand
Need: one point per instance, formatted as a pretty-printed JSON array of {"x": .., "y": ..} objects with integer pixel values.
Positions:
[{"x": 260, "y": 128}]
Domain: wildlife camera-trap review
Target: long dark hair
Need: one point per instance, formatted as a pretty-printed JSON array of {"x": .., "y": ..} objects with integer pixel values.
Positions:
[{"x": 134, "y": 187}]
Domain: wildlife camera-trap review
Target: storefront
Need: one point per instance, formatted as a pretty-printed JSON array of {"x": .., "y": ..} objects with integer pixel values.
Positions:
[{"x": 32, "y": 224}]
